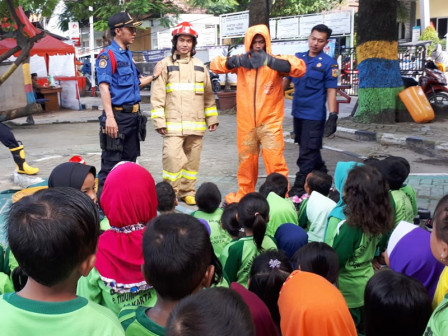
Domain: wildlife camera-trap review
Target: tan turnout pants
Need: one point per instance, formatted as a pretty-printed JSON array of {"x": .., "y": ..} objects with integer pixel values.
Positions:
[{"x": 181, "y": 157}]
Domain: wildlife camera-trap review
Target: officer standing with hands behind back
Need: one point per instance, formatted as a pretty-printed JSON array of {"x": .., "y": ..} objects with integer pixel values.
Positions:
[
  {"x": 122, "y": 124},
  {"x": 311, "y": 94}
]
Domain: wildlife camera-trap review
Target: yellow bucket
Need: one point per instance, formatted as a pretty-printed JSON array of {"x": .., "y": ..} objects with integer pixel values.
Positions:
[{"x": 417, "y": 104}]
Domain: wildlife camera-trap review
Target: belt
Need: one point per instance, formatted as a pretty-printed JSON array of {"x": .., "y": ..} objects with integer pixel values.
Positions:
[{"x": 127, "y": 108}]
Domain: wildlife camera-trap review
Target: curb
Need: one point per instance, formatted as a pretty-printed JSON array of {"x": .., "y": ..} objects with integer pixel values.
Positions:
[{"x": 416, "y": 144}]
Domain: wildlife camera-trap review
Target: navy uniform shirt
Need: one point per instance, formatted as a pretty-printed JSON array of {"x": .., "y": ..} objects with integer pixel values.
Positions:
[
  {"x": 310, "y": 91},
  {"x": 123, "y": 82}
]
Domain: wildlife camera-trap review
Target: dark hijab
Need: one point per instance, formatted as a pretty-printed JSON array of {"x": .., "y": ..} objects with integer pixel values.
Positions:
[{"x": 70, "y": 174}]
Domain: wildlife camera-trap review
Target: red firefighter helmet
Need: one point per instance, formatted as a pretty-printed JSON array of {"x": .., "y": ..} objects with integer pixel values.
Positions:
[{"x": 184, "y": 28}]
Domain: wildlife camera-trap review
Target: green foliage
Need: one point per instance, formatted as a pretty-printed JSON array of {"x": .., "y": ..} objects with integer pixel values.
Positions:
[
  {"x": 218, "y": 7},
  {"x": 278, "y": 8},
  {"x": 430, "y": 34},
  {"x": 299, "y": 7},
  {"x": 78, "y": 10},
  {"x": 103, "y": 9}
]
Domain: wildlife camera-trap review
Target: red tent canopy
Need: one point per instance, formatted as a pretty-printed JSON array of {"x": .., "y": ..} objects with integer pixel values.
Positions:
[{"x": 46, "y": 46}]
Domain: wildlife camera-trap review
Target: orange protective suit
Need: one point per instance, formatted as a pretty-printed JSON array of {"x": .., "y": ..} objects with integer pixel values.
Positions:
[{"x": 260, "y": 112}]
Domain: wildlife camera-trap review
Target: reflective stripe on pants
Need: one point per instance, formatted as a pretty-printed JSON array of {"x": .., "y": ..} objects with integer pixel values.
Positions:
[{"x": 181, "y": 157}]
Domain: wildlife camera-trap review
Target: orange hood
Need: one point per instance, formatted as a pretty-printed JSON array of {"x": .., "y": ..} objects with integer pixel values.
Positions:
[{"x": 254, "y": 30}]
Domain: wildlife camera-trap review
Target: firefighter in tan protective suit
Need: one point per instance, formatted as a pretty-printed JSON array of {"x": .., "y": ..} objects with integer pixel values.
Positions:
[
  {"x": 183, "y": 108},
  {"x": 260, "y": 106}
]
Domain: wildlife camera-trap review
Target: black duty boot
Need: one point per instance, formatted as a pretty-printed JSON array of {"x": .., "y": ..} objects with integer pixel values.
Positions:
[{"x": 298, "y": 187}]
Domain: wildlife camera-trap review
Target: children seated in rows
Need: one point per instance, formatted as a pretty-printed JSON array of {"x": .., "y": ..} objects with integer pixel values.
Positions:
[
  {"x": 178, "y": 261},
  {"x": 208, "y": 199},
  {"x": 117, "y": 280},
  {"x": 54, "y": 234}
]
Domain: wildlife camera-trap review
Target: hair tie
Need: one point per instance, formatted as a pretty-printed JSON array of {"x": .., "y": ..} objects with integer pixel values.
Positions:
[
  {"x": 257, "y": 213},
  {"x": 274, "y": 263}
]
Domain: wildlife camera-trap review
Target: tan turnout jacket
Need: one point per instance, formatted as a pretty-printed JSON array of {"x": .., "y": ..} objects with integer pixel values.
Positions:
[{"x": 182, "y": 97}]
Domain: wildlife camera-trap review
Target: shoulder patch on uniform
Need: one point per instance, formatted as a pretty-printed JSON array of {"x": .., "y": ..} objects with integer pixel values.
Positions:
[
  {"x": 102, "y": 64},
  {"x": 335, "y": 72},
  {"x": 104, "y": 56}
]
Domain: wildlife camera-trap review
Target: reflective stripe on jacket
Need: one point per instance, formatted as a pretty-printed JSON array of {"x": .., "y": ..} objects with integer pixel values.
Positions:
[{"x": 182, "y": 97}]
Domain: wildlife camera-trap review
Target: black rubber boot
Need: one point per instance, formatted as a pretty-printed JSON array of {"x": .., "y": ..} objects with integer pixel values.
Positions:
[{"x": 298, "y": 187}]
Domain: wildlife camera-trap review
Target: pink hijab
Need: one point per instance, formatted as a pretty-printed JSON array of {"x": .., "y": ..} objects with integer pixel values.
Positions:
[{"x": 129, "y": 201}]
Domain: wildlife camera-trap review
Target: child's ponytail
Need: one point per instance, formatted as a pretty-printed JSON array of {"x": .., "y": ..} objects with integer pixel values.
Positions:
[
  {"x": 253, "y": 214},
  {"x": 259, "y": 229}
]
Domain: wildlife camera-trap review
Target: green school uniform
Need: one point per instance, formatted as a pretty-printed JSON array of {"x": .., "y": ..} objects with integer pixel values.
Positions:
[
  {"x": 403, "y": 207},
  {"x": 331, "y": 230},
  {"x": 238, "y": 261},
  {"x": 438, "y": 323},
  {"x": 281, "y": 211},
  {"x": 93, "y": 288},
  {"x": 218, "y": 236},
  {"x": 76, "y": 317},
  {"x": 356, "y": 251},
  {"x": 410, "y": 193},
  {"x": 135, "y": 322}
]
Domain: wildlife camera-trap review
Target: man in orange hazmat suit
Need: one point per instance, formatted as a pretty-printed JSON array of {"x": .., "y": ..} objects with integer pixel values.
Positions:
[{"x": 260, "y": 106}]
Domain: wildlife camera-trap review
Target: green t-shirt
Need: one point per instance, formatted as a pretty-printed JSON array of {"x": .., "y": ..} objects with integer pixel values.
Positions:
[
  {"x": 356, "y": 251},
  {"x": 218, "y": 236},
  {"x": 93, "y": 288},
  {"x": 136, "y": 323},
  {"x": 20, "y": 316},
  {"x": 238, "y": 261},
  {"x": 410, "y": 193},
  {"x": 438, "y": 323},
  {"x": 403, "y": 207},
  {"x": 6, "y": 285},
  {"x": 303, "y": 219},
  {"x": 331, "y": 230},
  {"x": 281, "y": 211}
]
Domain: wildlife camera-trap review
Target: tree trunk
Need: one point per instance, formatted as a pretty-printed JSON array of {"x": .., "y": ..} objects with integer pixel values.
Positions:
[
  {"x": 379, "y": 70},
  {"x": 259, "y": 12}
]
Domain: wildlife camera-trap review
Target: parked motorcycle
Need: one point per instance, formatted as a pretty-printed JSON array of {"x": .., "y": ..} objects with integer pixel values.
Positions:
[{"x": 433, "y": 84}]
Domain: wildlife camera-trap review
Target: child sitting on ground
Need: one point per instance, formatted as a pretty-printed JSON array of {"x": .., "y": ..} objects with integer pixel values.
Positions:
[
  {"x": 208, "y": 199},
  {"x": 178, "y": 261},
  {"x": 129, "y": 201},
  {"x": 213, "y": 311},
  {"x": 319, "y": 258},
  {"x": 253, "y": 214},
  {"x": 267, "y": 275},
  {"x": 318, "y": 206},
  {"x": 369, "y": 217},
  {"x": 166, "y": 198},
  {"x": 53, "y": 235},
  {"x": 395, "y": 304},
  {"x": 438, "y": 323},
  {"x": 395, "y": 173},
  {"x": 281, "y": 209}
]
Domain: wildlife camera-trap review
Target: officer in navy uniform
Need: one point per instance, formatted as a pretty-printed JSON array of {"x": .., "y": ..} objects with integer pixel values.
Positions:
[
  {"x": 122, "y": 124},
  {"x": 311, "y": 94}
]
